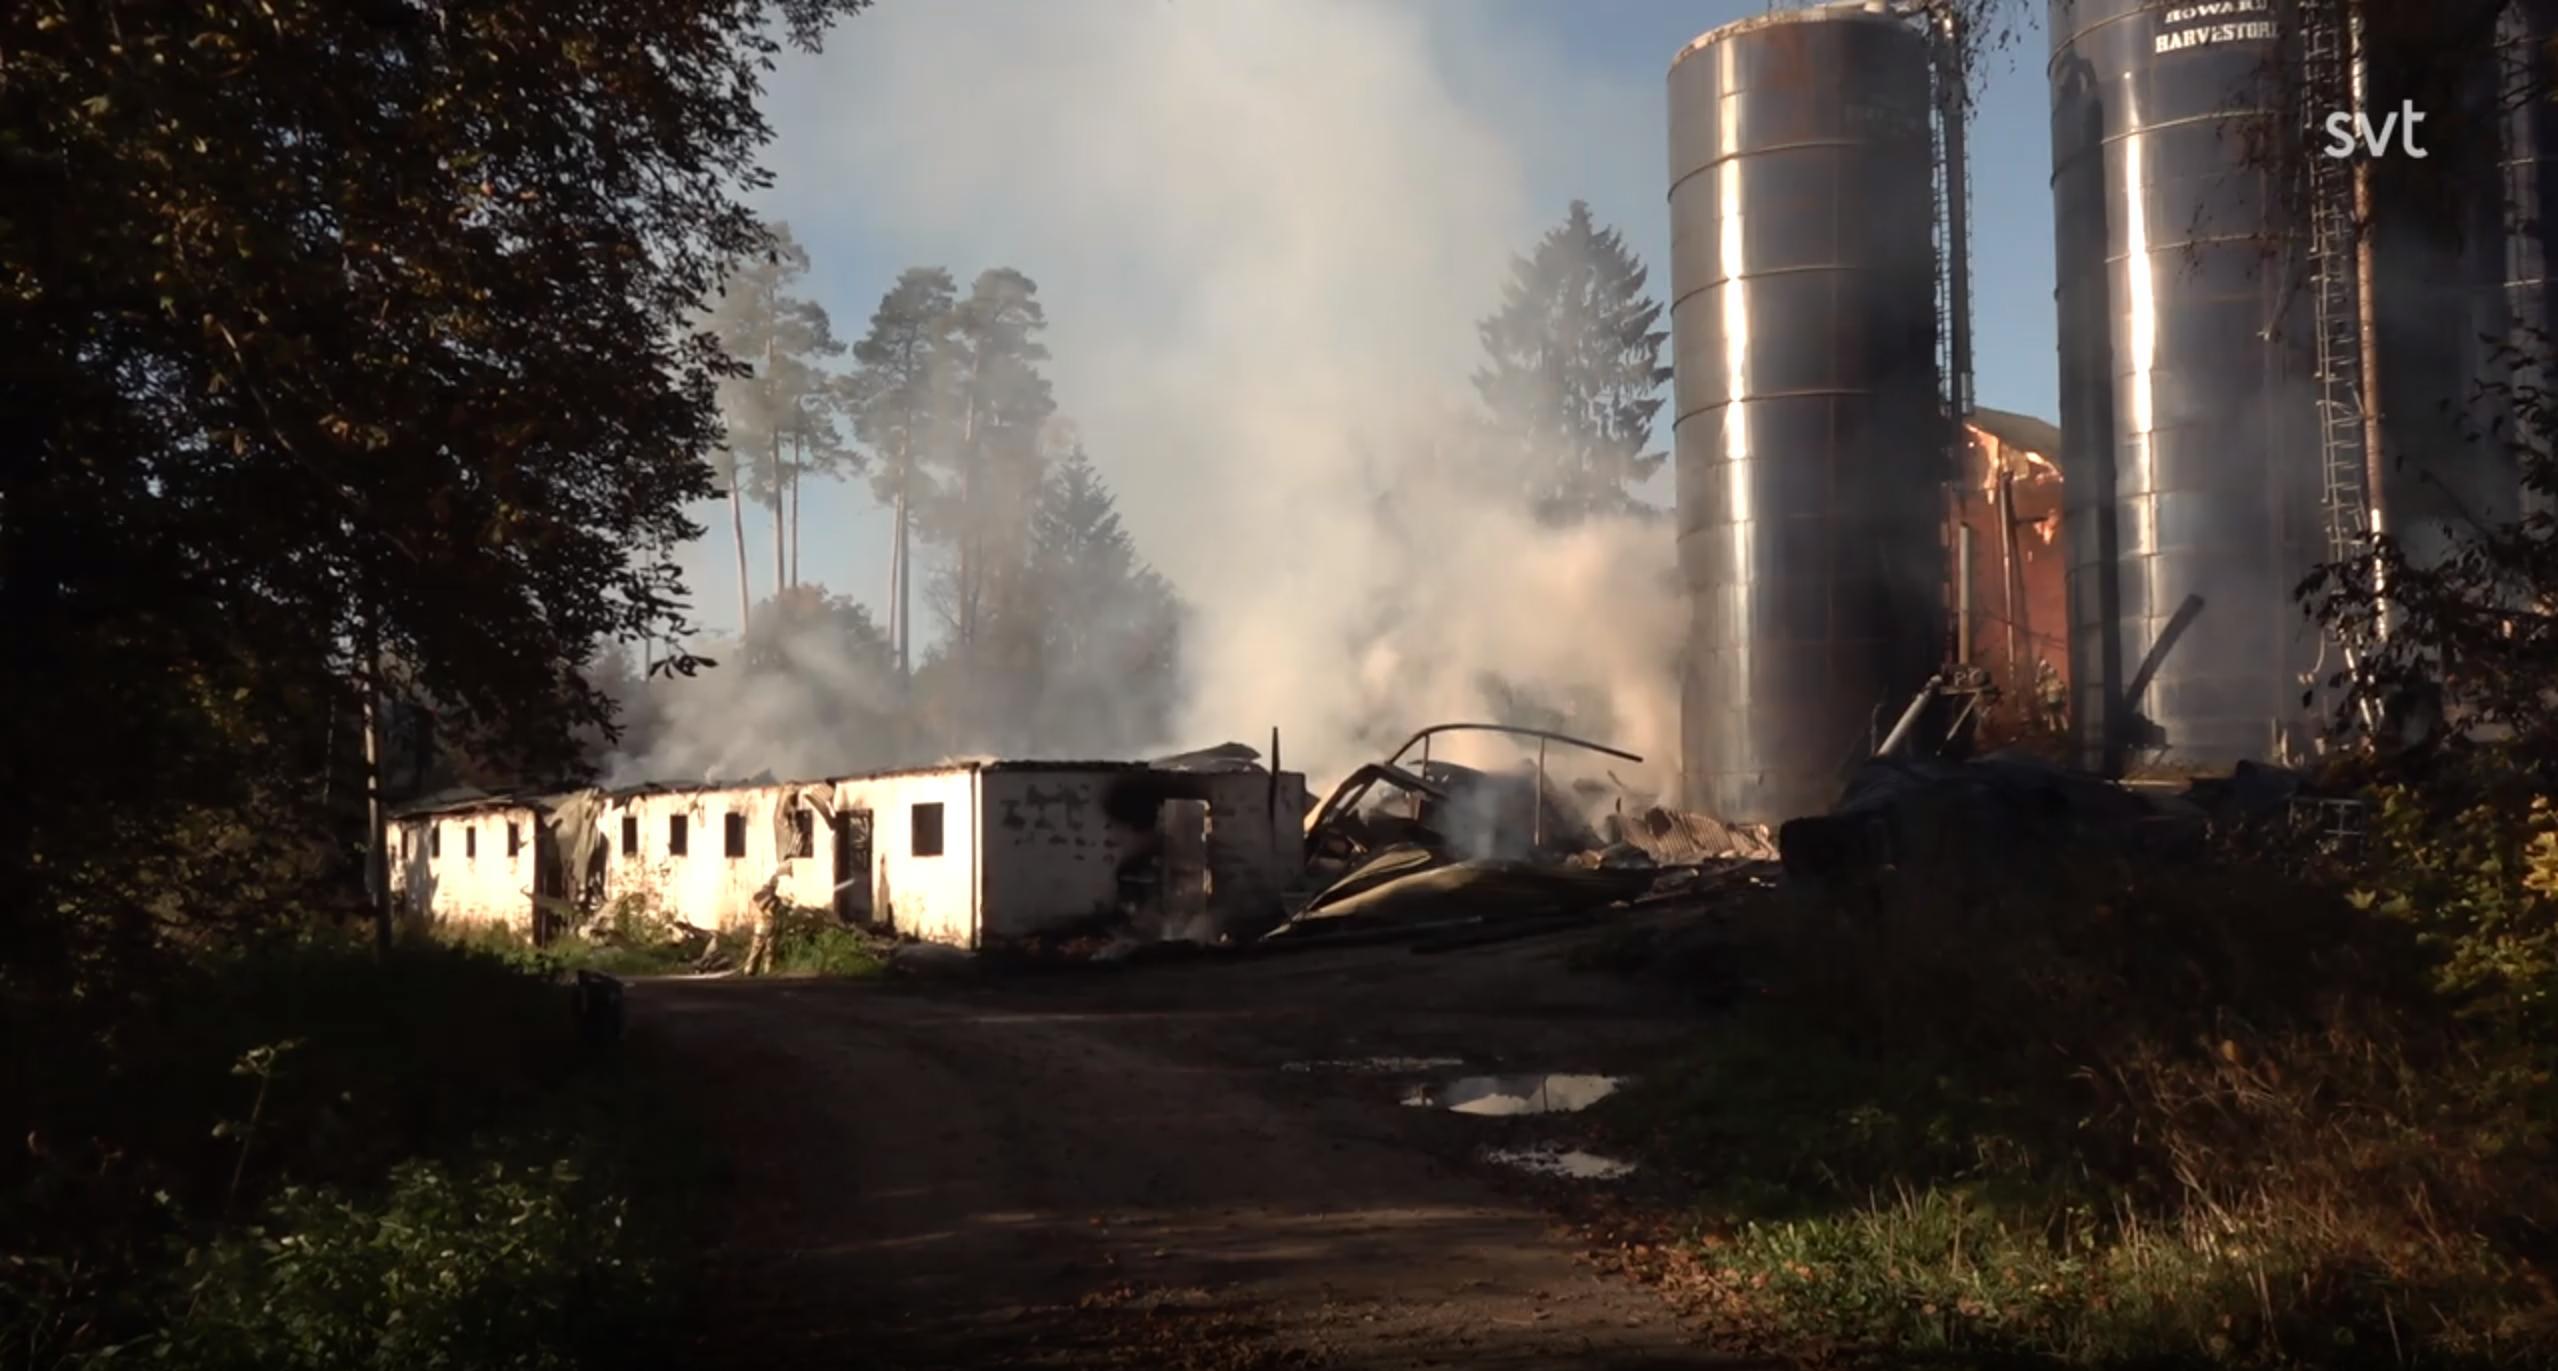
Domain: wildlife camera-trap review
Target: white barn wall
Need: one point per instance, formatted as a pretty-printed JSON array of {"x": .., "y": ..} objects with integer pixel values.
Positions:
[
  {"x": 931, "y": 898},
  {"x": 1052, "y": 853},
  {"x": 459, "y": 886}
]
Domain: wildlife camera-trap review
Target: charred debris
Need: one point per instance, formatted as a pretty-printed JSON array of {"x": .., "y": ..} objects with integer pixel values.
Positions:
[{"x": 1421, "y": 849}]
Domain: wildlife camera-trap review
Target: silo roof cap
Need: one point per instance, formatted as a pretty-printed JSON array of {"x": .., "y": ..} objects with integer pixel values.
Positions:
[{"x": 1864, "y": 10}]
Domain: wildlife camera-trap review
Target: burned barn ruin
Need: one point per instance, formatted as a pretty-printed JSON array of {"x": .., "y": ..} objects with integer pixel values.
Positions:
[
  {"x": 2265, "y": 357},
  {"x": 968, "y": 854}
]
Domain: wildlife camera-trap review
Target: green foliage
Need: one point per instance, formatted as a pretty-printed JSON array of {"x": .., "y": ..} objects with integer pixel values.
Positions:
[
  {"x": 813, "y": 942},
  {"x": 483, "y": 1262},
  {"x": 2474, "y": 869},
  {"x": 294, "y": 374},
  {"x": 300, "y": 1142}
]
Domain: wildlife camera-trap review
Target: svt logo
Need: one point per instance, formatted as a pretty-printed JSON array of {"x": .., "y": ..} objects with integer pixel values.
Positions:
[{"x": 2342, "y": 140}]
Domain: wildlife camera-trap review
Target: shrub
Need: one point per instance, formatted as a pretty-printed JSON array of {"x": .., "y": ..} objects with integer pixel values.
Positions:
[
  {"x": 814, "y": 942},
  {"x": 482, "y": 1262},
  {"x": 336, "y": 1138},
  {"x": 2470, "y": 863},
  {"x": 2205, "y": 1111}
]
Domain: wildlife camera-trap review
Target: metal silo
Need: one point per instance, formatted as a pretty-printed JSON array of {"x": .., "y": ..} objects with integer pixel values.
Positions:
[
  {"x": 2188, "y": 399},
  {"x": 2525, "y": 314},
  {"x": 1809, "y": 429},
  {"x": 2529, "y": 202},
  {"x": 2453, "y": 254}
]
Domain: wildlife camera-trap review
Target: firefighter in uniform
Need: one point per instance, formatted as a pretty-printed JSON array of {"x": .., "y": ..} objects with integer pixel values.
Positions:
[{"x": 767, "y": 904}]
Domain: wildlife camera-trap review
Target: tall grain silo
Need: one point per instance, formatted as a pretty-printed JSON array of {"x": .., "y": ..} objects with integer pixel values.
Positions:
[
  {"x": 2189, "y": 398},
  {"x": 2457, "y": 267},
  {"x": 2524, "y": 314},
  {"x": 2526, "y": 84},
  {"x": 1810, "y": 429}
]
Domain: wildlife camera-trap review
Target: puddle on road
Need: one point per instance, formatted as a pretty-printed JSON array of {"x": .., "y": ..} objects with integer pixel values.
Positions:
[
  {"x": 1507, "y": 1095},
  {"x": 1571, "y": 1163},
  {"x": 1377, "y": 1066}
]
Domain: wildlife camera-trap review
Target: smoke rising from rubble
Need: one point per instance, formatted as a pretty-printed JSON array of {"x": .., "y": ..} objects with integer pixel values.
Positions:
[{"x": 1264, "y": 233}]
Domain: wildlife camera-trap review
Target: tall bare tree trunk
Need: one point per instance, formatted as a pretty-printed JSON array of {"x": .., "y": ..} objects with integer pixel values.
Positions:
[
  {"x": 377, "y": 878},
  {"x": 737, "y": 535},
  {"x": 904, "y": 589},
  {"x": 799, "y": 460}
]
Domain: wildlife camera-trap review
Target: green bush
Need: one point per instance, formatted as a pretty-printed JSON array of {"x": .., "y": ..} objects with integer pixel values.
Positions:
[
  {"x": 2202, "y": 1111},
  {"x": 2471, "y": 863},
  {"x": 813, "y": 942},
  {"x": 480, "y": 1262},
  {"x": 307, "y": 1155}
]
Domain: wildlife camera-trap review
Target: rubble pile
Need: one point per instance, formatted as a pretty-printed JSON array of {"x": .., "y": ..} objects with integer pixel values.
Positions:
[{"x": 1430, "y": 846}]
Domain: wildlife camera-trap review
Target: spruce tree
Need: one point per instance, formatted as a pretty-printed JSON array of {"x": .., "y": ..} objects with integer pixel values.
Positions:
[{"x": 1572, "y": 374}]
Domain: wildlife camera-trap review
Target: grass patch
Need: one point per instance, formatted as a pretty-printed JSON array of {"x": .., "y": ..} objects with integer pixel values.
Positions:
[
  {"x": 627, "y": 938},
  {"x": 2204, "y": 1115}
]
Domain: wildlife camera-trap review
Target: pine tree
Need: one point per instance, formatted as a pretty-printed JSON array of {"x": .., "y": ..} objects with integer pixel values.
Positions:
[
  {"x": 781, "y": 413},
  {"x": 1573, "y": 372},
  {"x": 895, "y": 397},
  {"x": 989, "y": 454}
]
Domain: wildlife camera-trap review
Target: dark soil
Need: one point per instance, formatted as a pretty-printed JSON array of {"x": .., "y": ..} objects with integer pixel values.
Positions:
[{"x": 1121, "y": 1169}]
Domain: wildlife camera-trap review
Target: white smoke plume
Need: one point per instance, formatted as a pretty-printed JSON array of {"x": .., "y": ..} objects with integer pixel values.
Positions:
[{"x": 1263, "y": 231}]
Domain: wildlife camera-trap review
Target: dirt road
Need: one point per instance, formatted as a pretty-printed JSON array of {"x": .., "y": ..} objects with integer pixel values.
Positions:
[{"x": 1153, "y": 1168}]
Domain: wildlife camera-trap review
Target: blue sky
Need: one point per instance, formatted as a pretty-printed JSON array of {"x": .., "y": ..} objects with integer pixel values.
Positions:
[{"x": 1254, "y": 221}]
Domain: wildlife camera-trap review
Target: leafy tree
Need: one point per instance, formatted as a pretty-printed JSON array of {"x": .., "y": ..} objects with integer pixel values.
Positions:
[
  {"x": 896, "y": 399},
  {"x": 1573, "y": 370},
  {"x": 804, "y": 613},
  {"x": 337, "y": 333},
  {"x": 781, "y": 414}
]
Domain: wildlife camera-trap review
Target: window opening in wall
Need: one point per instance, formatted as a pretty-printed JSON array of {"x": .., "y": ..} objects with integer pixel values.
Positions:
[
  {"x": 803, "y": 834},
  {"x": 435, "y": 840},
  {"x": 470, "y": 841},
  {"x": 924, "y": 823},
  {"x": 630, "y": 835},
  {"x": 514, "y": 839},
  {"x": 733, "y": 835},
  {"x": 674, "y": 835}
]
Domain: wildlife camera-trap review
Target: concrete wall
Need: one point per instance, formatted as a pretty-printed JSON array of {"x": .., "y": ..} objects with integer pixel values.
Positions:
[
  {"x": 454, "y": 868},
  {"x": 1054, "y": 848},
  {"x": 928, "y": 897},
  {"x": 1250, "y": 858},
  {"x": 1052, "y": 851}
]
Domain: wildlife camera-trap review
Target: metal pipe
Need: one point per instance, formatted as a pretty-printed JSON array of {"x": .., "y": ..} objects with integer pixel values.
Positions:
[
  {"x": 1536, "y": 818},
  {"x": 1963, "y": 592},
  {"x": 2009, "y": 572},
  {"x": 1909, "y": 718},
  {"x": 1425, "y": 772},
  {"x": 2366, "y": 307},
  {"x": 1422, "y": 740}
]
